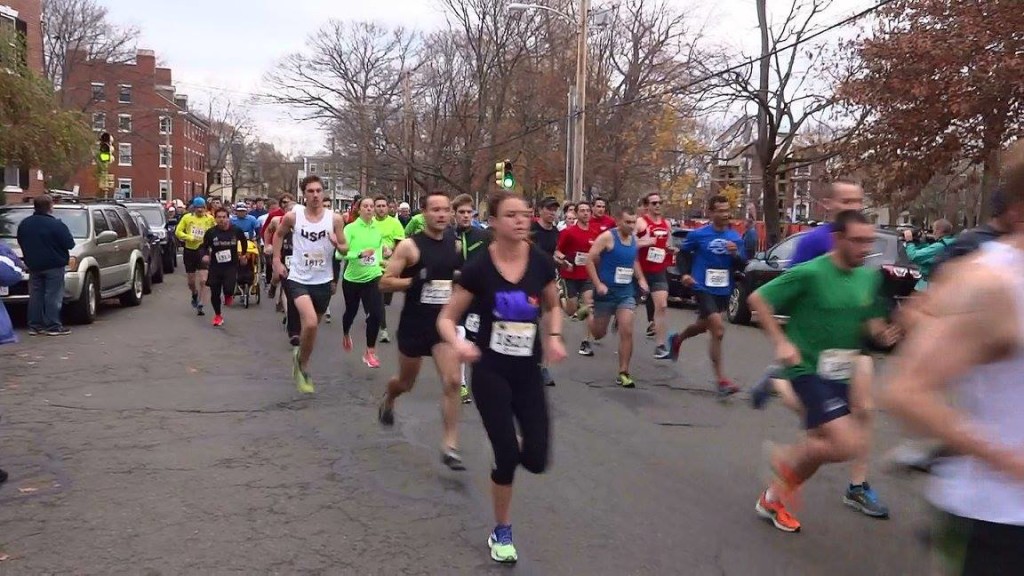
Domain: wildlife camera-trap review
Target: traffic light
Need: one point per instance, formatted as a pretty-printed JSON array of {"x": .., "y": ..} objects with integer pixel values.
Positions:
[
  {"x": 508, "y": 181},
  {"x": 499, "y": 173},
  {"x": 105, "y": 154}
]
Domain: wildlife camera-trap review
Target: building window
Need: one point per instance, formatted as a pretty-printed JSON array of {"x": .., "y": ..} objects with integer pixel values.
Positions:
[
  {"x": 165, "y": 124},
  {"x": 124, "y": 122},
  {"x": 165, "y": 156},
  {"x": 124, "y": 187},
  {"x": 124, "y": 154},
  {"x": 165, "y": 189},
  {"x": 99, "y": 121},
  {"x": 99, "y": 93},
  {"x": 124, "y": 95},
  {"x": 312, "y": 168},
  {"x": 218, "y": 178}
]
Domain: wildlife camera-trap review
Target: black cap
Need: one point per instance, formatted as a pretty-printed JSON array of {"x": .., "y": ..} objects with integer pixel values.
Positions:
[{"x": 549, "y": 202}]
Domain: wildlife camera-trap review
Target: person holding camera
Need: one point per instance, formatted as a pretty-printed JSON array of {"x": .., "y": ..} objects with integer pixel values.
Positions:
[{"x": 926, "y": 254}]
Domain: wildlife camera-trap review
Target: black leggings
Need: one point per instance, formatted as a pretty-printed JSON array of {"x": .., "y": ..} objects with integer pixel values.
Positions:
[
  {"x": 292, "y": 321},
  {"x": 385, "y": 302},
  {"x": 502, "y": 404},
  {"x": 649, "y": 304},
  {"x": 221, "y": 281},
  {"x": 369, "y": 294}
]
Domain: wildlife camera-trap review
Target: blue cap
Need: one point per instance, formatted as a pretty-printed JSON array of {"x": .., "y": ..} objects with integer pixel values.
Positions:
[{"x": 198, "y": 202}]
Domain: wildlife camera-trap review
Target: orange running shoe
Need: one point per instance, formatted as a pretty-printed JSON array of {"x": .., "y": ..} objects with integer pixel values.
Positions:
[
  {"x": 776, "y": 513},
  {"x": 371, "y": 359},
  {"x": 346, "y": 343}
]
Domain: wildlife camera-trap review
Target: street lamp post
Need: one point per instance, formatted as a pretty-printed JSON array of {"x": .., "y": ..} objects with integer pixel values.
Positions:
[{"x": 574, "y": 154}]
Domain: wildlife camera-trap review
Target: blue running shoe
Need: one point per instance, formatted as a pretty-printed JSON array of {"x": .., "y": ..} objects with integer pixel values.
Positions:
[
  {"x": 761, "y": 392},
  {"x": 500, "y": 543},
  {"x": 865, "y": 500}
]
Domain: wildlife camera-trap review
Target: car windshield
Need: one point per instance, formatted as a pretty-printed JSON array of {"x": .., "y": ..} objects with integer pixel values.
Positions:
[
  {"x": 887, "y": 251},
  {"x": 154, "y": 216},
  {"x": 76, "y": 219}
]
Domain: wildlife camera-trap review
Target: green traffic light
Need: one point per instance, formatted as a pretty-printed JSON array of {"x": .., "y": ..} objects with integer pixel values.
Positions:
[
  {"x": 104, "y": 157},
  {"x": 508, "y": 182}
]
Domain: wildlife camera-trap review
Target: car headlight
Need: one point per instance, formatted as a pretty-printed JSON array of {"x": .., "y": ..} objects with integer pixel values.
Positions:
[
  {"x": 161, "y": 234},
  {"x": 72, "y": 264}
]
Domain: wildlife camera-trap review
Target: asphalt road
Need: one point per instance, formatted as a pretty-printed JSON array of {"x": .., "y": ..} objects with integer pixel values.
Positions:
[{"x": 151, "y": 443}]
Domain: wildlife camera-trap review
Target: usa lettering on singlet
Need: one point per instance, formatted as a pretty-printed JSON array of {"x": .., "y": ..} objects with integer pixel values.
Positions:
[{"x": 312, "y": 250}]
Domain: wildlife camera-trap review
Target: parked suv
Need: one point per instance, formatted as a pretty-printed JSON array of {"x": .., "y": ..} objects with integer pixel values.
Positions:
[
  {"x": 106, "y": 261},
  {"x": 156, "y": 217},
  {"x": 899, "y": 275}
]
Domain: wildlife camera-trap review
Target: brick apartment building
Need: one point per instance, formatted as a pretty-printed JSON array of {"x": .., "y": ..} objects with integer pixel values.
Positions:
[
  {"x": 160, "y": 147},
  {"x": 24, "y": 17}
]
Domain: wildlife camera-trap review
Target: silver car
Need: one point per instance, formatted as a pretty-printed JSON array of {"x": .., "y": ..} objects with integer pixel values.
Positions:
[{"x": 106, "y": 262}]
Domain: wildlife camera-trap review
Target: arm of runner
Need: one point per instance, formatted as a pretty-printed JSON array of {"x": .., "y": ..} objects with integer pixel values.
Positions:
[
  {"x": 242, "y": 240},
  {"x": 643, "y": 239},
  {"x": 339, "y": 240},
  {"x": 207, "y": 245},
  {"x": 449, "y": 316},
  {"x": 392, "y": 280},
  {"x": 638, "y": 272},
  {"x": 179, "y": 230},
  {"x": 779, "y": 294},
  {"x": 593, "y": 258},
  {"x": 971, "y": 312},
  {"x": 554, "y": 348},
  {"x": 283, "y": 228}
]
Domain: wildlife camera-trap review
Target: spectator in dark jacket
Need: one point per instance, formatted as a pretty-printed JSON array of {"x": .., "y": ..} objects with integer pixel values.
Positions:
[
  {"x": 750, "y": 239},
  {"x": 45, "y": 244},
  {"x": 970, "y": 240},
  {"x": 11, "y": 269}
]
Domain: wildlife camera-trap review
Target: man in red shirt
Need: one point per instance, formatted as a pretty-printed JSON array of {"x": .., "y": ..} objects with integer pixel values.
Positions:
[
  {"x": 601, "y": 220},
  {"x": 656, "y": 255},
  {"x": 571, "y": 255},
  {"x": 284, "y": 205}
]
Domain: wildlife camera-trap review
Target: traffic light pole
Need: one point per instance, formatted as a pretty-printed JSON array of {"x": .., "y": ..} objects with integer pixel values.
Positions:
[{"x": 579, "y": 144}]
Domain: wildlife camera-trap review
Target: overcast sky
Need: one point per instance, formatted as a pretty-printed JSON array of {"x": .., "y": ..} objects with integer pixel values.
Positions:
[{"x": 222, "y": 48}]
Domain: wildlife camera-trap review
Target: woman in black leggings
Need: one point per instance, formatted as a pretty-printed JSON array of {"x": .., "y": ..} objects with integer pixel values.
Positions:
[
  {"x": 360, "y": 279},
  {"x": 512, "y": 288}
]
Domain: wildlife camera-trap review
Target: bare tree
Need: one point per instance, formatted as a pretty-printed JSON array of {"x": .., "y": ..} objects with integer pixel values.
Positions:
[
  {"x": 232, "y": 136},
  {"x": 82, "y": 28}
]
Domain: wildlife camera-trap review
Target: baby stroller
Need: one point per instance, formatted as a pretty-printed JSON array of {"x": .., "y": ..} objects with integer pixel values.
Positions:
[{"x": 249, "y": 277}]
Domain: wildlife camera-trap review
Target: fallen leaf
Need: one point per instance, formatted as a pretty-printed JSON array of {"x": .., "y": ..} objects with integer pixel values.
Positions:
[
  {"x": 192, "y": 370},
  {"x": 31, "y": 363},
  {"x": 28, "y": 490},
  {"x": 64, "y": 358},
  {"x": 4, "y": 557},
  {"x": 88, "y": 395}
]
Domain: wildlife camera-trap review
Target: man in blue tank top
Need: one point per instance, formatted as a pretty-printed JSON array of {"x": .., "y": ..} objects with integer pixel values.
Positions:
[{"x": 613, "y": 268}]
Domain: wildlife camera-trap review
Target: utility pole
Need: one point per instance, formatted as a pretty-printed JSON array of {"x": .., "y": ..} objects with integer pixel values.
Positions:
[
  {"x": 769, "y": 210},
  {"x": 408, "y": 134},
  {"x": 579, "y": 145}
]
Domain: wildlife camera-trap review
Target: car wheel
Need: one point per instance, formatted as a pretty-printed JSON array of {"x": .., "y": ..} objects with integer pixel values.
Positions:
[
  {"x": 739, "y": 311},
  {"x": 83, "y": 310},
  {"x": 133, "y": 297}
]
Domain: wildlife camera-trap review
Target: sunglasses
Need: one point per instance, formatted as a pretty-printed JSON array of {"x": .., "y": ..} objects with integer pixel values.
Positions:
[{"x": 658, "y": 203}]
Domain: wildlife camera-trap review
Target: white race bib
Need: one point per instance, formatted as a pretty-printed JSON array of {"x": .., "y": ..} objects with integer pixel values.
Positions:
[
  {"x": 198, "y": 233},
  {"x": 656, "y": 255},
  {"x": 581, "y": 259},
  {"x": 4, "y": 290},
  {"x": 716, "y": 278},
  {"x": 222, "y": 256},
  {"x": 473, "y": 323},
  {"x": 436, "y": 292},
  {"x": 370, "y": 260},
  {"x": 623, "y": 275},
  {"x": 836, "y": 364},
  {"x": 314, "y": 260},
  {"x": 513, "y": 338}
]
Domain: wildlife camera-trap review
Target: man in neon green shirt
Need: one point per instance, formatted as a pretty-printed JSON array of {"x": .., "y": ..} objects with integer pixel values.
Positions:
[
  {"x": 416, "y": 224},
  {"x": 362, "y": 273},
  {"x": 191, "y": 230},
  {"x": 392, "y": 232}
]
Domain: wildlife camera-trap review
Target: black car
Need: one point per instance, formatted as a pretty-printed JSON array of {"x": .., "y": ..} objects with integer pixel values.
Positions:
[
  {"x": 900, "y": 276},
  {"x": 156, "y": 217},
  {"x": 152, "y": 253},
  {"x": 677, "y": 292}
]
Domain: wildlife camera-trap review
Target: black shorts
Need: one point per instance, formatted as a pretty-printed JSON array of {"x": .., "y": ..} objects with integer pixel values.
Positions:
[
  {"x": 417, "y": 337},
  {"x": 823, "y": 400},
  {"x": 969, "y": 547},
  {"x": 657, "y": 281},
  {"x": 320, "y": 294},
  {"x": 708, "y": 304},
  {"x": 193, "y": 260},
  {"x": 226, "y": 276},
  {"x": 576, "y": 288}
]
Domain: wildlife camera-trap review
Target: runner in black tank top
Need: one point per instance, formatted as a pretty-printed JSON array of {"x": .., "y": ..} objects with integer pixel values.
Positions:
[{"x": 424, "y": 266}]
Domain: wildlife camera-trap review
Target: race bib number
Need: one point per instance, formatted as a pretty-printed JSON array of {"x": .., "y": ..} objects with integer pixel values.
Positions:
[
  {"x": 198, "y": 233},
  {"x": 222, "y": 256},
  {"x": 716, "y": 278},
  {"x": 656, "y": 255},
  {"x": 436, "y": 292},
  {"x": 370, "y": 260},
  {"x": 836, "y": 364},
  {"x": 581, "y": 259},
  {"x": 473, "y": 323},
  {"x": 623, "y": 275},
  {"x": 314, "y": 260},
  {"x": 513, "y": 338}
]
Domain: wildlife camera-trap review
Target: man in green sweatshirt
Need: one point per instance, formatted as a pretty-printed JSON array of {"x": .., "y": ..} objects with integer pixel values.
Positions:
[
  {"x": 392, "y": 233},
  {"x": 360, "y": 280},
  {"x": 416, "y": 224}
]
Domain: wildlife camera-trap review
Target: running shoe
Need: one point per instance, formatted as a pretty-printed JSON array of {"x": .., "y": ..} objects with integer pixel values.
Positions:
[
  {"x": 585, "y": 349},
  {"x": 776, "y": 513},
  {"x": 303, "y": 383},
  {"x": 464, "y": 394},
  {"x": 545, "y": 376},
  {"x": 385, "y": 337},
  {"x": 650, "y": 330},
  {"x": 200, "y": 311},
  {"x": 500, "y": 543},
  {"x": 294, "y": 341},
  {"x": 675, "y": 342},
  {"x": 272, "y": 291},
  {"x": 370, "y": 359},
  {"x": 218, "y": 320},
  {"x": 726, "y": 388},
  {"x": 865, "y": 500},
  {"x": 229, "y": 300},
  {"x": 62, "y": 331},
  {"x": 385, "y": 415},
  {"x": 625, "y": 380},
  {"x": 327, "y": 316},
  {"x": 661, "y": 352},
  {"x": 450, "y": 457},
  {"x": 346, "y": 343},
  {"x": 195, "y": 300},
  {"x": 761, "y": 391}
]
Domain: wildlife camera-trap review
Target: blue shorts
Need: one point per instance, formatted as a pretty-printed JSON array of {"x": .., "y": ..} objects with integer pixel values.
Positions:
[
  {"x": 608, "y": 304},
  {"x": 823, "y": 400}
]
